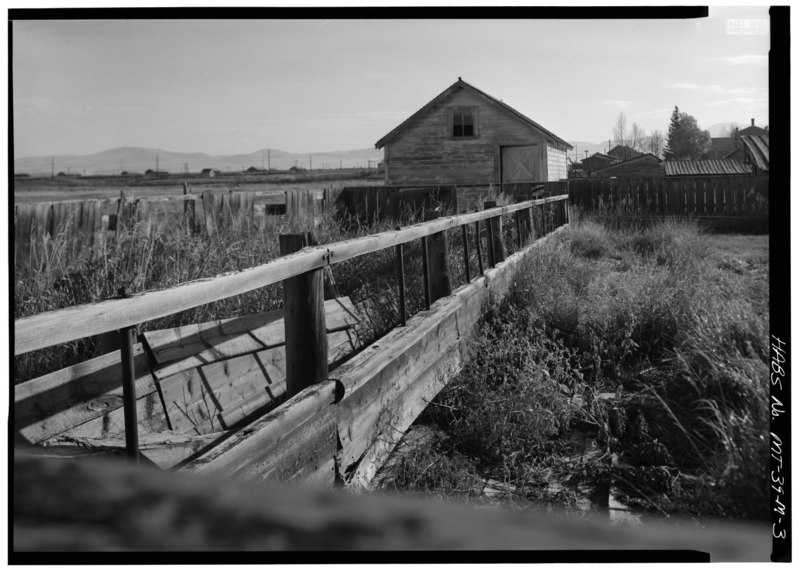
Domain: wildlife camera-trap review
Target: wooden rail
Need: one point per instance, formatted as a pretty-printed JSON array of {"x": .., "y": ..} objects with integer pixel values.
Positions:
[
  {"x": 60, "y": 326},
  {"x": 52, "y": 328}
]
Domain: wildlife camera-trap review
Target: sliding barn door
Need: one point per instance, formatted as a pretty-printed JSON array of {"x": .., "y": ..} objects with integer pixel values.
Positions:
[{"x": 520, "y": 163}]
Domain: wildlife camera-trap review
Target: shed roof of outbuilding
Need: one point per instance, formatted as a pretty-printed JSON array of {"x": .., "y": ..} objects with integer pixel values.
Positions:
[
  {"x": 705, "y": 168},
  {"x": 461, "y": 84}
]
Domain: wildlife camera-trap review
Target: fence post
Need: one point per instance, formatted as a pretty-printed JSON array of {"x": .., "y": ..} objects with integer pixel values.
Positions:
[
  {"x": 438, "y": 253},
  {"x": 304, "y": 322},
  {"x": 478, "y": 245},
  {"x": 188, "y": 208},
  {"x": 401, "y": 281},
  {"x": 523, "y": 223},
  {"x": 465, "y": 245},
  {"x": 497, "y": 249},
  {"x": 426, "y": 280}
]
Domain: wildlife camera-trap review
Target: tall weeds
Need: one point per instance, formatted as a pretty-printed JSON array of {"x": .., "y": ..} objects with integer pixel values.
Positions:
[{"x": 651, "y": 316}]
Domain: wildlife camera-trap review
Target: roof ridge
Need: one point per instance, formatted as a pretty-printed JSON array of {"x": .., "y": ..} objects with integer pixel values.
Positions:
[{"x": 449, "y": 91}]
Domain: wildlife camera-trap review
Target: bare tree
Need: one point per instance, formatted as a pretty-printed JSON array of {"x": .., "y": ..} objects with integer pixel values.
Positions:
[
  {"x": 637, "y": 137},
  {"x": 620, "y": 132},
  {"x": 729, "y": 131},
  {"x": 655, "y": 143}
]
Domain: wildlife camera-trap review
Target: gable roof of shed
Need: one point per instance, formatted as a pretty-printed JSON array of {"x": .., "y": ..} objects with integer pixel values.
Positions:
[{"x": 452, "y": 89}]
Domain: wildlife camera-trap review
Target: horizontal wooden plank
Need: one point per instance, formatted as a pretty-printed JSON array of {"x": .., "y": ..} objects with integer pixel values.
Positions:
[
  {"x": 54, "y": 403},
  {"x": 299, "y": 432},
  {"x": 181, "y": 348},
  {"x": 164, "y": 449},
  {"x": 214, "y": 397},
  {"x": 52, "y": 328}
]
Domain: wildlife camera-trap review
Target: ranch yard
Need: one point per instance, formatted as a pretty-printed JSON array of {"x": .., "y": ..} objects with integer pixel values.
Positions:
[{"x": 622, "y": 372}]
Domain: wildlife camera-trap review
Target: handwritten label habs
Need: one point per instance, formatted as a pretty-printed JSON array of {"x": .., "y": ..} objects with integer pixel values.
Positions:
[{"x": 778, "y": 412}]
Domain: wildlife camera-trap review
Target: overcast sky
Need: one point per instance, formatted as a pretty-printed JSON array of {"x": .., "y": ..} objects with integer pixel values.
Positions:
[{"x": 228, "y": 86}]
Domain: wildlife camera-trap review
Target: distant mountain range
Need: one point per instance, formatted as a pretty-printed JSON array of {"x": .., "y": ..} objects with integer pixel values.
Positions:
[{"x": 139, "y": 160}]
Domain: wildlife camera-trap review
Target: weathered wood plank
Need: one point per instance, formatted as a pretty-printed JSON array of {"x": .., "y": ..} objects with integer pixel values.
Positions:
[
  {"x": 215, "y": 396},
  {"x": 181, "y": 348},
  {"x": 164, "y": 449},
  {"x": 300, "y": 432},
  {"x": 54, "y": 403}
]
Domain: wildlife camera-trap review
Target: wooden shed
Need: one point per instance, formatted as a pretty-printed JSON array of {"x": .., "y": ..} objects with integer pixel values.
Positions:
[{"x": 466, "y": 136}]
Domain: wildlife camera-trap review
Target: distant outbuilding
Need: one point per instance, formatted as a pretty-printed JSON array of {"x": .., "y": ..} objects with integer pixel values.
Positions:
[
  {"x": 466, "y": 136},
  {"x": 208, "y": 172}
]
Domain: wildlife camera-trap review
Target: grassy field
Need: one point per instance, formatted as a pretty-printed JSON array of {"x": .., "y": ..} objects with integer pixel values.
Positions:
[
  {"x": 36, "y": 190},
  {"x": 652, "y": 343}
]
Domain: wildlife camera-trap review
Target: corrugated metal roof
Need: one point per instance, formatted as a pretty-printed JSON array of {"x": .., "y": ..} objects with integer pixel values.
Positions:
[
  {"x": 758, "y": 149},
  {"x": 705, "y": 168}
]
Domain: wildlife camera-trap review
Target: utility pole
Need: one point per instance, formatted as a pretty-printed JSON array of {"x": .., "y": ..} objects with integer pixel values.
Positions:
[
  {"x": 52, "y": 167},
  {"x": 156, "y": 161},
  {"x": 309, "y": 162},
  {"x": 340, "y": 164},
  {"x": 269, "y": 161}
]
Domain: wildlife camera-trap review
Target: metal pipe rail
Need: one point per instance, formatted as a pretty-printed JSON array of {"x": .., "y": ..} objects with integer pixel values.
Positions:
[{"x": 60, "y": 326}]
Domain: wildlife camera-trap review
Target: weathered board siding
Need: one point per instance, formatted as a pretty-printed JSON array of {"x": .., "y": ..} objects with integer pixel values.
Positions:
[
  {"x": 556, "y": 163},
  {"x": 424, "y": 153}
]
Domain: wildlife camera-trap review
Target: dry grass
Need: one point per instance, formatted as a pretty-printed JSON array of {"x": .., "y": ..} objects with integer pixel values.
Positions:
[{"x": 668, "y": 320}]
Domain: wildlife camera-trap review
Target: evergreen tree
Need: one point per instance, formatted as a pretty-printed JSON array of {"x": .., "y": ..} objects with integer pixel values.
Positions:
[
  {"x": 672, "y": 132},
  {"x": 685, "y": 139}
]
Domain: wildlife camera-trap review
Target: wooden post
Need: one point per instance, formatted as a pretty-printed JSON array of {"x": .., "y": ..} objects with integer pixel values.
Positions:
[
  {"x": 426, "y": 284},
  {"x": 438, "y": 262},
  {"x": 497, "y": 247},
  {"x": 464, "y": 242},
  {"x": 401, "y": 282},
  {"x": 544, "y": 221},
  {"x": 127, "y": 337},
  {"x": 304, "y": 322},
  {"x": 188, "y": 208},
  {"x": 523, "y": 223},
  {"x": 478, "y": 246}
]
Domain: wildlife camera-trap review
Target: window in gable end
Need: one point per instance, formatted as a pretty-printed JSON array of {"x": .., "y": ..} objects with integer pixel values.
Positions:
[{"x": 463, "y": 121}]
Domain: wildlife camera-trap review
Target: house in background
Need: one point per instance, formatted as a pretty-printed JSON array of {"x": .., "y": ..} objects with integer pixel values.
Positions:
[
  {"x": 466, "y": 136},
  {"x": 753, "y": 130},
  {"x": 621, "y": 152},
  {"x": 720, "y": 148},
  {"x": 595, "y": 162},
  {"x": 207, "y": 172},
  {"x": 643, "y": 165}
]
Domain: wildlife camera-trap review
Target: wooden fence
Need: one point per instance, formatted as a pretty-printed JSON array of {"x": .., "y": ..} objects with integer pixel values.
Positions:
[
  {"x": 347, "y": 422},
  {"x": 714, "y": 198},
  {"x": 379, "y": 201},
  {"x": 85, "y": 226}
]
